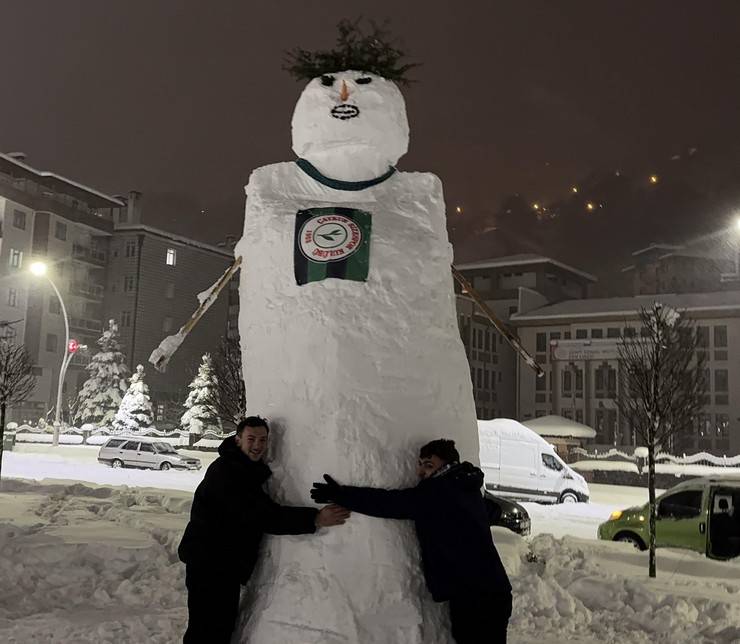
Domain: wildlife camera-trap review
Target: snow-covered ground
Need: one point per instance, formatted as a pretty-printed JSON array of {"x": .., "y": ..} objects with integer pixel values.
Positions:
[
  {"x": 79, "y": 463},
  {"x": 88, "y": 563}
]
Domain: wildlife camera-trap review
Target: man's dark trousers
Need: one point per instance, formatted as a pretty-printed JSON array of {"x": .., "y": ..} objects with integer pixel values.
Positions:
[
  {"x": 213, "y": 605},
  {"x": 481, "y": 618}
]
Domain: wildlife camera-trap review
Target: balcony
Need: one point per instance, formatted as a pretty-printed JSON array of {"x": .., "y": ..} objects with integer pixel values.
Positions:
[
  {"x": 85, "y": 289},
  {"x": 89, "y": 255},
  {"x": 85, "y": 324}
]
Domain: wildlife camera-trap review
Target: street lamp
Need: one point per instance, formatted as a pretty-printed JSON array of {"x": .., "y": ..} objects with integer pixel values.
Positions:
[{"x": 39, "y": 269}]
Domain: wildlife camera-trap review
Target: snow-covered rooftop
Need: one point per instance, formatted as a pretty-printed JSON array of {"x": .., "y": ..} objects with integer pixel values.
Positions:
[
  {"x": 628, "y": 307},
  {"x": 522, "y": 259},
  {"x": 100, "y": 199},
  {"x": 559, "y": 427},
  {"x": 176, "y": 238}
]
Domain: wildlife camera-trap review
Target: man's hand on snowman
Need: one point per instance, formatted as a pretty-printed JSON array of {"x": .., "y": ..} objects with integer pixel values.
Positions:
[
  {"x": 326, "y": 492},
  {"x": 331, "y": 515}
]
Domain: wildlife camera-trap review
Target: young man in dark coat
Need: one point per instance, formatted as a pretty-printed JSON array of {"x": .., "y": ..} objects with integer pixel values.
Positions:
[
  {"x": 460, "y": 562},
  {"x": 230, "y": 513}
]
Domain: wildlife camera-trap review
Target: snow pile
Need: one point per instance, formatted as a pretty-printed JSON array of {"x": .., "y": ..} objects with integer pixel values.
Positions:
[
  {"x": 599, "y": 592},
  {"x": 80, "y": 563}
]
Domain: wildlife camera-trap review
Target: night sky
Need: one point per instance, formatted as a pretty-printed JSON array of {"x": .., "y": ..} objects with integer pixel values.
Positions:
[{"x": 180, "y": 99}]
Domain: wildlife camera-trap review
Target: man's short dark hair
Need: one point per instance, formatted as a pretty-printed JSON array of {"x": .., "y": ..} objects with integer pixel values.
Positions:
[
  {"x": 442, "y": 448},
  {"x": 252, "y": 421}
]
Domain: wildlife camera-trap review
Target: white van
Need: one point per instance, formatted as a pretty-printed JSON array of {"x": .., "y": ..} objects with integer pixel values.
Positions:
[{"x": 519, "y": 464}]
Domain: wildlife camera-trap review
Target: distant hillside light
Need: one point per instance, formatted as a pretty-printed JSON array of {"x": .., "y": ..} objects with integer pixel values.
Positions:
[
  {"x": 653, "y": 178},
  {"x": 536, "y": 206},
  {"x": 574, "y": 189},
  {"x": 458, "y": 210},
  {"x": 590, "y": 206}
]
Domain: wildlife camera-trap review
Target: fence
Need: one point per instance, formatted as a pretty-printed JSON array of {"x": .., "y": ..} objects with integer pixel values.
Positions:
[{"x": 701, "y": 458}]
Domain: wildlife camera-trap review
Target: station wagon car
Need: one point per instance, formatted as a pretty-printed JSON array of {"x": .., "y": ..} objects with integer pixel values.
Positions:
[{"x": 144, "y": 453}]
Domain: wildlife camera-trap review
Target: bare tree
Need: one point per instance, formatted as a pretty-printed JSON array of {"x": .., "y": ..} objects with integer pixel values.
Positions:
[
  {"x": 17, "y": 381},
  {"x": 229, "y": 401},
  {"x": 662, "y": 383}
]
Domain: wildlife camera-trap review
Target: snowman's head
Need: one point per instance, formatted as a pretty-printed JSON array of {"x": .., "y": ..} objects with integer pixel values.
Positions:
[{"x": 351, "y": 125}]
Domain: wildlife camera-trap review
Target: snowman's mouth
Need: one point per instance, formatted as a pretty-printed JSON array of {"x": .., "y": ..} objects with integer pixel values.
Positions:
[{"x": 345, "y": 111}]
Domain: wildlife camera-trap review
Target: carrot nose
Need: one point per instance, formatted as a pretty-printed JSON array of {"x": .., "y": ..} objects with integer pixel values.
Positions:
[{"x": 344, "y": 93}]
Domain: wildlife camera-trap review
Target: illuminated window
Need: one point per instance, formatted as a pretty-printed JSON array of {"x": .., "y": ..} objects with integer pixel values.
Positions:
[{"x": 171, "y": 258}]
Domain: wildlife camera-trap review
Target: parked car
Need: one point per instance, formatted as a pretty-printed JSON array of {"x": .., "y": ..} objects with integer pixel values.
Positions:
[
  {"x": 518, "y": 463},
  {"x": 702, "y": 514},
  {"x": 507, "y": 514},
  {"x": 146, "y": 453}
]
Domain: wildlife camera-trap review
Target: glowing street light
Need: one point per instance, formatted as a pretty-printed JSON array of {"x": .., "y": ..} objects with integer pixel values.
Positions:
[
  {"x": 574, "y": 189},
  {"x": 458, "y": 210},
  {"x": 590, "y": 206},
  {"x": 653, "y": 179},
  {"x": 39, "y": 269}
]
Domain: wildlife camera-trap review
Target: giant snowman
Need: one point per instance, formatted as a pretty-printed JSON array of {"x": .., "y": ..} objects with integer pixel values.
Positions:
[{"x": 351, "y": 348}]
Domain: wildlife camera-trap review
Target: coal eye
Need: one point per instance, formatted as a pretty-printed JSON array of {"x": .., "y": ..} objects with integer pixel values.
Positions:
[
  {"x": 364, "y": 80},
  {"x": 327, "y": 80}
]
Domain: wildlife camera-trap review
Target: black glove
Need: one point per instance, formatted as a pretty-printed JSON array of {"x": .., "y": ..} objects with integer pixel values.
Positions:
[{"x": 326, "y": 492}]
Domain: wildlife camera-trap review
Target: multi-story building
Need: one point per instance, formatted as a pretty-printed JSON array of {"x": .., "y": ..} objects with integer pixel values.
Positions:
[
  {"x": 501, "y": 283},
  {"x": 68, "y": 226},
  {"x": 153, "y": 281},
  {"x": 107, "y": 265},
  {"x": 576, "y": 342}
]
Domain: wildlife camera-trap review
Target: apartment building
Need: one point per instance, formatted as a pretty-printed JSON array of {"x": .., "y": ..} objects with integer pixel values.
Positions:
[{"x": 107, "y": 265}]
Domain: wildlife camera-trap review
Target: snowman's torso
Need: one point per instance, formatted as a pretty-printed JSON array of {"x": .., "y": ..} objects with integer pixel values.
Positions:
[{"x": 357, "y": 374}]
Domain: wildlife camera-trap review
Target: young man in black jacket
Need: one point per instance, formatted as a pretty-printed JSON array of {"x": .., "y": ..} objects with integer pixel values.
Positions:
[
  {"x": 460, "y": 562},
  {"x": 230, "y": 513}
]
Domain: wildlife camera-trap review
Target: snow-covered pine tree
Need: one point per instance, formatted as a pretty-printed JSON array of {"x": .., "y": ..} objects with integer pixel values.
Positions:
[
  {"x": 200, "y": 411},
  {"x": 103, "y": 391},
  {"x": 135, "y": 413}
]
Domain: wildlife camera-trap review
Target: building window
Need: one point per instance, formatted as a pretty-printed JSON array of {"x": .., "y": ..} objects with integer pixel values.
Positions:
[
  {"x": 581, "y": 334},
  {"x": 612, "y": 333},
  {"x": 702, "y": 336},
  {"x": 60, "y": 231},
  {"x": 160, "y": 411},
  {"x": 579, "y": 415},
  {"x": 630, "y": 332},
  {"x": 567, "y": 380},
  {"x": 605, "y": 384},
  {"x": 12, "y": 297},
  {"x": 19, "y": 219},
  {"x": 128, "y": 283},
  {"x": 597, "y": 334},
  {"x": 720, "y": 337},
  {"x": 16, "y": 258},
  {"x": 125, "y": 318},
  {"x": 169, "y": 291},
  {"x": 171, "y": 257},
  {"x": 51, "y": 342},
  {"x": 541, "y": 342},
  {"x": 54, "y": 306},
  {"x": 130, "y": 248},
  {"x": 167, "y": 327},
  {"x": 555, "y": 335},
  {"x": 721, "y": 383}
]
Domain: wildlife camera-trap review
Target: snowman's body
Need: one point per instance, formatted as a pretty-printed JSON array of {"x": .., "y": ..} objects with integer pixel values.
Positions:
[{"x": 355, "y": 376}]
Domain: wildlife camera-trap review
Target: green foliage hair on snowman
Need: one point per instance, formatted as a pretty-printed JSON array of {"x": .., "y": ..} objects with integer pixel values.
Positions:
[{"x": 373, "y": 52}]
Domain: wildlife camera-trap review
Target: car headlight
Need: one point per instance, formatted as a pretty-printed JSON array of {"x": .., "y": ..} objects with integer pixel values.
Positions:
[{"x": 614, "y": 516}]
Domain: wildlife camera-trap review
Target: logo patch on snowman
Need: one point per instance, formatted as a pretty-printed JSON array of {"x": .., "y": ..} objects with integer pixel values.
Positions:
[{"x": 332, "y": 242}]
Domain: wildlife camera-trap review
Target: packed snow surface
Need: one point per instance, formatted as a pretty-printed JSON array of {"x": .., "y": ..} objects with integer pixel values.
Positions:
[{"x": 83, "y": 563}]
